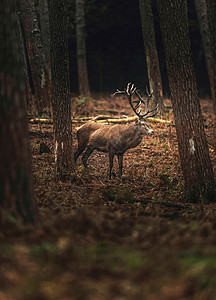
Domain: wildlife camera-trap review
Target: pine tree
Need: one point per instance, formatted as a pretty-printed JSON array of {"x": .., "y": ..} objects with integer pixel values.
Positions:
[
  {"x": 62, "y": 124},
  {"x": 15, "y": 171},
  {"x": 81, "y": 49},
  {"x": 151, "y": 54}
]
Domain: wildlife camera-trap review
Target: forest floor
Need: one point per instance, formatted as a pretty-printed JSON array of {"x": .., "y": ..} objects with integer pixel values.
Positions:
[{"x": 100, "y": 239}]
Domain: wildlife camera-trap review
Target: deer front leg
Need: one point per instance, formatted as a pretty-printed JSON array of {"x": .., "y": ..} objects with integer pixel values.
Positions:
[
  {"x": 86, "y": 155},
  {"x": 120, "y": 163}
]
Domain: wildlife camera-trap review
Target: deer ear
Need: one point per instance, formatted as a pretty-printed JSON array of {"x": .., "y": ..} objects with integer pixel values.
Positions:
[{"x": 137, "y": 121}]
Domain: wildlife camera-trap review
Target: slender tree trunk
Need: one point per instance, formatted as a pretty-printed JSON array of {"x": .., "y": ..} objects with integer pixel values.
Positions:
[
  {"x": 45, "y": 35},
  {"x": 193, "y": 148},
  {"x": 62, "y": 123},
  {"x": 15, "y": 172},
  {"x": 45, "y": 28},
  {"x": 35, "y": 56},
  {"x": 206, "y": 15},
  {"x": 211, "y": 13},
  {"x": 152, "y": 61},
  {"x": 81, "y": 50},
  {"x": 28, "y": 91}
]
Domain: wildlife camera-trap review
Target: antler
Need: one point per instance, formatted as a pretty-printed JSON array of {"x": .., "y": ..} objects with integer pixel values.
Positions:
[{"x": 129, "y": 91}]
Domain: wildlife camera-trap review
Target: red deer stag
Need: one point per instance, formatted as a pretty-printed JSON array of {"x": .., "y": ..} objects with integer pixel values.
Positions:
[{"x": 116, "y": 139}]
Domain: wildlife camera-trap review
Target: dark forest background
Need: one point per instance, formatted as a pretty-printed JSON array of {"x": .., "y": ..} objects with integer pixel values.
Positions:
[{"x": 115, "y": 49}]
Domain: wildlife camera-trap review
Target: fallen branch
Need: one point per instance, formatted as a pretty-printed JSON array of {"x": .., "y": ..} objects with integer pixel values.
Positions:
[
  {"x": 100, "y": 119},
  {"x": 131, "y": 119},
  {"x": 50, "y": 121},
  {"x": 40, "y": 121}
]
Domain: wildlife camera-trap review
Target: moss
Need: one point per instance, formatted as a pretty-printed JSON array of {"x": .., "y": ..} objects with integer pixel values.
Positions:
[{"x": 121, "y": 194}]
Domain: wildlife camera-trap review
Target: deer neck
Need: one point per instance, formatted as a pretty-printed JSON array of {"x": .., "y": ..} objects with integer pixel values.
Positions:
[
  {"x": 135, "y": 136},
  {"x": 138, "y": 132}
]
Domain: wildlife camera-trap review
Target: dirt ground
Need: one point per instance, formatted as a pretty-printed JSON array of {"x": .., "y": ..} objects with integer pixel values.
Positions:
[{"x": 100, "y": 239}]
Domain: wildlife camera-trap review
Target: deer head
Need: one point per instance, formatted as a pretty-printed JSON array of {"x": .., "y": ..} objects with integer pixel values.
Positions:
[{"x": 130, "y": 91}]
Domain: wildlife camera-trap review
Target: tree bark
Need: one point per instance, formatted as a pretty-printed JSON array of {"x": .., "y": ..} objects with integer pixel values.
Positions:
[
  {"x": 152, "y": 61},
  {"x": 45, "y": 32},
  {"x": 211, "y": 13},
  {"x": 38, "y": 74},
  {"x": 193, "y": 148},
  {"x": 45, "y": 35},
  {"x": 206, "y": 16},
  {"x": 28, "y": 91},
  {"x": 15, "y": 171},
  {"x": 81, "y": 50},
  {"x": 62, "y": 124}
]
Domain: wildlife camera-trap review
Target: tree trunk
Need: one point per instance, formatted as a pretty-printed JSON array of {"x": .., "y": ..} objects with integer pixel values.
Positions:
[
  {"x": 28, "y": 91},
  {"x": 15, "y": 172},
  {"x": 206, "y": 16},
  {"x": 32, "y": 39},
  {"x": 152, "y": 62},
  {"x": 211, "y": 13},
  {"x": 62, "y": 123},
  {"x": 193, "y": 148},
  {"x": 45, "y": 32},
  {"x": 81, "y": 50},
  {"x": 45, "y": 35}
]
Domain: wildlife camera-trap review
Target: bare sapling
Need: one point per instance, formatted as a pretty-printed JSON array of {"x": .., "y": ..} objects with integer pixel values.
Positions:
[{"x": 116, "y": 139}]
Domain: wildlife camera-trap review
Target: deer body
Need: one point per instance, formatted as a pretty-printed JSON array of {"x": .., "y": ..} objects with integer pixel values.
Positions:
[
  {"x": 118, "y": 137},
  {"x": 112, "y": 139}
]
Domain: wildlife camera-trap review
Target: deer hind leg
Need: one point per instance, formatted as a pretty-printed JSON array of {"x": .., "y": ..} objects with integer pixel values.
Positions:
[
  {"x": 120, "y": 163},
  {"x": 80, "y": 149},
  {"x": 86, "y": 155},
  {"x": 78, "y": 152},
  {"x": 111, "y": 157}
]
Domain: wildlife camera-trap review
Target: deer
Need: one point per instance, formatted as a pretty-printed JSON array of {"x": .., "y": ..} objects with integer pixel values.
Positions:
[{"x": 116, "y": 139}]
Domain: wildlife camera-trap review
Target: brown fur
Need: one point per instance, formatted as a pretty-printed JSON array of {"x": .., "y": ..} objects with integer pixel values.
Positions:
[{"x": 114, "y": 139}]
